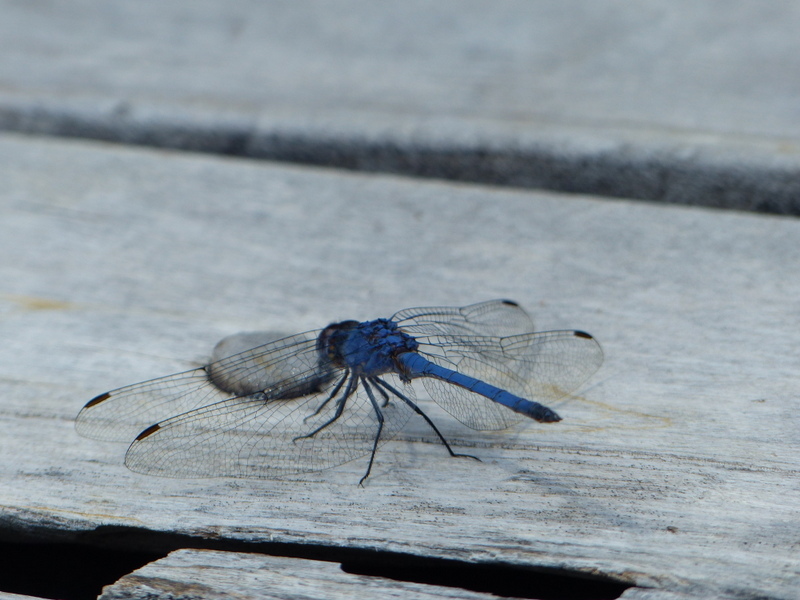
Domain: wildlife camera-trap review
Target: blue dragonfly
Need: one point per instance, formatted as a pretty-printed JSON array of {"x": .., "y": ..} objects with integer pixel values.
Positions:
[{"x": 322, "y": 398}]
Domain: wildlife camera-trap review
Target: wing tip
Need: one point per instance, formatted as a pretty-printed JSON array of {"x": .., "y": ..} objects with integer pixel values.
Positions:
[
  {"x": 97, "y": 400},
  {"x": 147, "y": 432}
]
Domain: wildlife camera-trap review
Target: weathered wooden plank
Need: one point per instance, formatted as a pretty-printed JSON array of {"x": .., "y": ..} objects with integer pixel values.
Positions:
[
  {"x": 587, "y": 95},
  {"x": 210, "y": 574},
  {"x": 9, "y": 596},
  {"x": 676, "y": 467}
]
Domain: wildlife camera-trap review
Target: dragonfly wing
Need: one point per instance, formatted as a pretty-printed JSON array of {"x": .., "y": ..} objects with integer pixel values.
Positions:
[
  {"x": 493, "y": 318},
  {"x": 286, "y": 368},
  {"x": 283, "y": 368},
  {"x": 542, "y": 367},
  {"x": 119, "y": 415},
  {"x": 258, "y": 437},
  {"x": 554, "y": 363}
]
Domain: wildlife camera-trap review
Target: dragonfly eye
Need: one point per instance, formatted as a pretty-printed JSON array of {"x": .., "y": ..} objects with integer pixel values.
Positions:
[{"x": 329, "y": 341}]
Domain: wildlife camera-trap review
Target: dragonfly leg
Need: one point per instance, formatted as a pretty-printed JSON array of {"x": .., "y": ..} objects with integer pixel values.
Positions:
[
  {"x": 420, "y": 412},
  {"x": 333, "y": 393},
  {"x": 379, "y": 415},
  {"x": 352, "y": 385},
  {"x": 385, "y": 395}
]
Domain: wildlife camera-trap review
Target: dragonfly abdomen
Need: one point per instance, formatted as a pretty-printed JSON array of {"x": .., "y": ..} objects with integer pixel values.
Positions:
[{"x": 417, "y": 366}]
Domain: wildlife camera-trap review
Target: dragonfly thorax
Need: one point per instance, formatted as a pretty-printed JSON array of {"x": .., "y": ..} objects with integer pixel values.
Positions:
[{"x": 367, "y": 349}]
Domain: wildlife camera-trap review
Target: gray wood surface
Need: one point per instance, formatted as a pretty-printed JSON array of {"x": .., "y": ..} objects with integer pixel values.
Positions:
[
  {"x": 210, "y": 574},
  {"x": 672, "y": 100},
  {"x": 675, "y": 468},
  {"x": 191, "y": 574}
]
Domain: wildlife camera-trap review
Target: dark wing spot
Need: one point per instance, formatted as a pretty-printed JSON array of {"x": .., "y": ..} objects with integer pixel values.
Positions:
[
  {"x": 509, "y": 302},
  {"x": 147, "y": 432},
  {"x": 97, "y": 400},
  {"x": 583, "y": 334}
]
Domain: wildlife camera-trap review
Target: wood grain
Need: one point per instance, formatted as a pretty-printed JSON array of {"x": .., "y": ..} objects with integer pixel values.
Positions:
[{"x": 675, "y": 468}]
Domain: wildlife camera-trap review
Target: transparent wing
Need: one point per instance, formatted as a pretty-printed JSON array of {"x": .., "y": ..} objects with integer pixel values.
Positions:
[
  {"x": 284, "y": 368},
  {"x": 258, "y": 437},
  {"x": 542, "y": 367},
  {"x": 493, "y": 318}
]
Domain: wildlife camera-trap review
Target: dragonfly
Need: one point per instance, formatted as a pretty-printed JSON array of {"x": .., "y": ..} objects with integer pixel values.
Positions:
[{"x": 319, "y": 399}]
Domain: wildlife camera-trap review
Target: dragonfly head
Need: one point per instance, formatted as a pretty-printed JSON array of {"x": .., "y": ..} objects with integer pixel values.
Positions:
[{"x": 329, "y": 342}]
